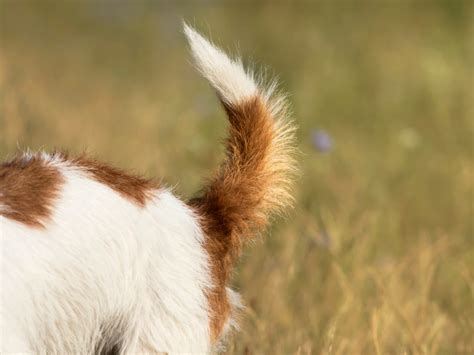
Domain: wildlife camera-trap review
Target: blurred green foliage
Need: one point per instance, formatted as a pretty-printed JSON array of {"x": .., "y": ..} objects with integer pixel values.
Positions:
[{"x": 378, "y": 254}]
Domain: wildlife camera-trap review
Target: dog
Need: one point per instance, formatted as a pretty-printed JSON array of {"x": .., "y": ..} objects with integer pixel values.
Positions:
[{"x": 98, "y": 261}]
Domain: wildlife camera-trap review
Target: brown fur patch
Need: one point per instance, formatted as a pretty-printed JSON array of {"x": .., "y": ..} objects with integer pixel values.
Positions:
[
  {"x": 28, "y": 189},
  {"x": 234, "y": 203},
  {"x": 133, "y": 187}
]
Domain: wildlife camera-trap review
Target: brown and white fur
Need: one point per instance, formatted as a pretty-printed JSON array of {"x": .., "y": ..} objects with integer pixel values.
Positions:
[{"x": 95, "y": 260}]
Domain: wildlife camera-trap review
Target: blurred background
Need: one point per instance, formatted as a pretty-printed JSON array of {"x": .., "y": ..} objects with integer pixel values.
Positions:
[{"x": 377, "y": 256}]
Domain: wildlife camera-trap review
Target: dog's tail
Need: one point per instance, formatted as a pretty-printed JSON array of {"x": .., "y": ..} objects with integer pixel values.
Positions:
[{"x": 254, "y": 180}]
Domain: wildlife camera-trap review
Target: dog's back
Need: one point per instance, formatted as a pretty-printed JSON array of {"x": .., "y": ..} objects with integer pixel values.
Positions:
[{"x": 94, "y": 259}]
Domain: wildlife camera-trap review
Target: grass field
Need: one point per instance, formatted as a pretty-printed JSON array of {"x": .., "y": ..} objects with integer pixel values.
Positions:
[{"x": 377, "y": 257}]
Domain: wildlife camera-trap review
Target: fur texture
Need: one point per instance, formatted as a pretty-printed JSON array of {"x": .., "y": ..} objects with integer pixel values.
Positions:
[
  {"x": 96, "y": 261},
  {"x": 253, "y": 182},
  {"x": 28, "y": 188}
]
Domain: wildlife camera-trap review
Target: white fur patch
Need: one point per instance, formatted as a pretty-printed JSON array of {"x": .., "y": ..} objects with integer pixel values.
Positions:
[
  {"x": 227, "y": 76},
  {"x": 105, "y": 270}
]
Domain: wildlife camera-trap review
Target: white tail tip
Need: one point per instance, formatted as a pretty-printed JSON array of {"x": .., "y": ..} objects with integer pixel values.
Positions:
[{"x": 232, "y": 82}]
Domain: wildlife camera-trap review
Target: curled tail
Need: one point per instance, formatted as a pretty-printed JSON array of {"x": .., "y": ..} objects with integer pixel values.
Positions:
[{"x": 254, "y": 180}]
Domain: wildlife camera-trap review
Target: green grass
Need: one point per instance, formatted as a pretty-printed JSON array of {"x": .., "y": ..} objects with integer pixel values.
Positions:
[{"x": 378, "y": 254}]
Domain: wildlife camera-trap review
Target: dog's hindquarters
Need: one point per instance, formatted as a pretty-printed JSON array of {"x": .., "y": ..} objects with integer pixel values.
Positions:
[{"x": 114, "y": 263}]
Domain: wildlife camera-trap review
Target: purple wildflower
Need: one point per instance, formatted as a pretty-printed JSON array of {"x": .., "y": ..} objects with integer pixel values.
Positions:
[{"x": 321, "y": 141}]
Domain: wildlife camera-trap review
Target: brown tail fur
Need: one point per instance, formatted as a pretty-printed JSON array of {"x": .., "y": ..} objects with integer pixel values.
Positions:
[{"x": 253, "y": 182}]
